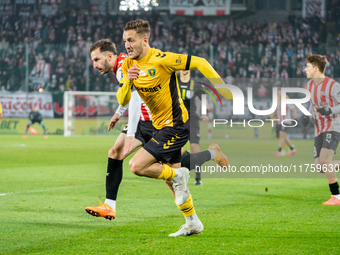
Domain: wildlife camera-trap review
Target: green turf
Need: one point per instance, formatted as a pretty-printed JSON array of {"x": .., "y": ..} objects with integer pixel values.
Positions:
[{"x": 48, "y": 183}]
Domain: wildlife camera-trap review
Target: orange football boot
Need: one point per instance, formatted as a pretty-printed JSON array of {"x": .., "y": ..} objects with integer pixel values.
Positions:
[
  {"x": 220, "y": 158},
  {"x": 277, "y": 154},
  {"x": 292, "y": 153},
  {"x": 101, "y": 211},
  {"x": 332, "y": 201}
]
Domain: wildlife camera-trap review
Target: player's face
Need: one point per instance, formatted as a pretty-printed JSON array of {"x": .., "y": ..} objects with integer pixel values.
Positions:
[
  {"x": 101, "y": 61},
  {"x": 134, "y": 44},
  {"x": 310, "y": 71}
]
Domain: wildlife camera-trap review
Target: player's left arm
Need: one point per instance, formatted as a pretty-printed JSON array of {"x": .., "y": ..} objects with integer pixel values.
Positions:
[
  {"x": 202, "y": 65},
  {"x": 175, "y": 62},
  {"x": 335, "y": 93}
]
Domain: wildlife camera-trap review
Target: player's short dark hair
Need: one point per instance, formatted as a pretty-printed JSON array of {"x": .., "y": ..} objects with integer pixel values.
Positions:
[
  {"x": 104, "y": 45},
  {"x": 317, "y": 60},
  {"x": 140, "y": 26}
]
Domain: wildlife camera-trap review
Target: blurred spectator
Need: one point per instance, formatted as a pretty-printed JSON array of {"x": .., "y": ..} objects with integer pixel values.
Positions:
[{"x": 237, "y": 50}]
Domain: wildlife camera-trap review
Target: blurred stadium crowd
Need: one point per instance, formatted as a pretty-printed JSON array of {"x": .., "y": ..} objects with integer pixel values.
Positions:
[{"x": 237, "y": 50}]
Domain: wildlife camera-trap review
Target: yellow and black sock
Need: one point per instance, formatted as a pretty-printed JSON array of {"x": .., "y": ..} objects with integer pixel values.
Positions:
[
  {"x": 168, "y": 173},
  {"x": 188, "y": 207}
]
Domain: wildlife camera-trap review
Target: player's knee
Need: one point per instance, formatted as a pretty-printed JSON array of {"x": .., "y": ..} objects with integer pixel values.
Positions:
[
  {"x": 135, "y": 168},
  {"x": 116, "y": 153},
  {"x": 323, "y": 163}
]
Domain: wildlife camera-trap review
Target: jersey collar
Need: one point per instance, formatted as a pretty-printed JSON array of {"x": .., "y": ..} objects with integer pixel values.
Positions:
[{"x": 147, "y": 56}]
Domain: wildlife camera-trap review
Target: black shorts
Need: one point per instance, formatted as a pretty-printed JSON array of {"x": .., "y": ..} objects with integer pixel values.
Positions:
[
  {"x": 166, "y": 144},
  {"x": 144, "y": 132},
  {"x": 194, "y": 129},
  {"x": 328, "y": 140},
  {"x": 279, "y": 128}
]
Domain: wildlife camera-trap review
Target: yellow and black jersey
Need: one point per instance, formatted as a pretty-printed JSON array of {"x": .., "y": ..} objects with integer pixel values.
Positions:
[
  {"x": 157, "y": 84},
  {"x": 158, "y": 87}
]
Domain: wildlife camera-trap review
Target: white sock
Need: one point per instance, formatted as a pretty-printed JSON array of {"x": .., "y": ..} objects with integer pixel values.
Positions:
[
  {"x": 192, "y": 220},
  {"x": 178, "y": 175},
  {"x": 212, "y": 153},
  {"x": 337, "y": 196},
  {"x": 111, "y": 203}
]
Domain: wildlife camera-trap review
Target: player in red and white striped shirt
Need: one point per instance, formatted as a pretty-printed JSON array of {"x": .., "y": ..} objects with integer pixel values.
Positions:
[{"x": 325, "y": 105}]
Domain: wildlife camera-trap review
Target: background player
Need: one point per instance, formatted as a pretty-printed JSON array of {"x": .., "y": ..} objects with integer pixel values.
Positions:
[
  {"x": 35, "y": 116},
  {"x": 281, "y": 132},
  {"x": 325, "y": 105},
  {"x": 153, "y": 74},
  {"x": 189, "y": 92}
]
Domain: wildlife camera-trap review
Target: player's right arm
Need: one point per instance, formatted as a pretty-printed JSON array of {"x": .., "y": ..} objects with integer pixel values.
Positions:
[
  {"x": 1, "y": 116},
  {"x": 126, "y": 83}
]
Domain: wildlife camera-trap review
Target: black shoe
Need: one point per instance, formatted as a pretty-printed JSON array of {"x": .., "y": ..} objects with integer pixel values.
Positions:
[{"x": 198, "y": 182}]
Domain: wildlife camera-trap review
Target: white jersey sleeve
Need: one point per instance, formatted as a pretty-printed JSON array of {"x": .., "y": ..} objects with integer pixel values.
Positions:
[
  {"x": 134, "y": 113},
  {"x": 335, "y": 93},
  {"x": 134, "y": 108}
]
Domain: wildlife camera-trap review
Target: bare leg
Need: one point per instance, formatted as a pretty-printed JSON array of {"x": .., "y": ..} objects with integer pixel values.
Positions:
[{"x": 325, "y": 159}]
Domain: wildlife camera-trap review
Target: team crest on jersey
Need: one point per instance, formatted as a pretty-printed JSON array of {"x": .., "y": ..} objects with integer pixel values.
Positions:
[
  {"x": 152, "y": 72},
  {"x": 189, "y": 94}
]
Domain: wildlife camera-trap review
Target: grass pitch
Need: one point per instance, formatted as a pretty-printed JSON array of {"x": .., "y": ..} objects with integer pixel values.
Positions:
[{"x": 46, "y": 184}]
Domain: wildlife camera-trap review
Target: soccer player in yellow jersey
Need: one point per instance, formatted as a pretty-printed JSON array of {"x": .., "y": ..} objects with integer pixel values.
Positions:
[{"x": 153, "y": 74}]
